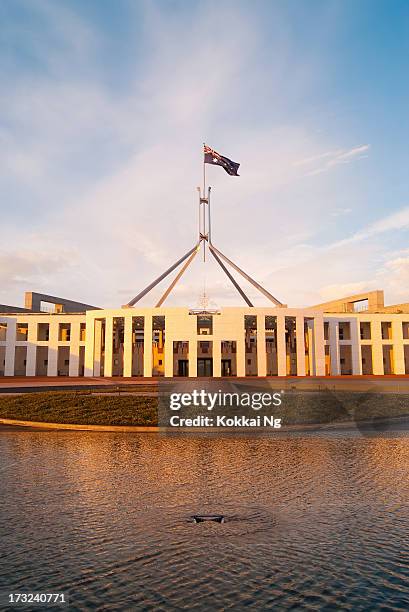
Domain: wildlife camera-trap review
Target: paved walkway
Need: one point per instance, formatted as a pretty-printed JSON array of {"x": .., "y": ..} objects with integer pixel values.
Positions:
[{"x": 385, "y": 384}]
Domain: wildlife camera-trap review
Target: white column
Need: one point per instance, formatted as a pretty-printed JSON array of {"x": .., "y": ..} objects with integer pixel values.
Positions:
[
  {"x": 240, "y": 353},
  {"x": 147, "y": 347},
  {"x": 73, "y": 369},
  {"x": 377, "y": 347},
  {"x": 89, "y": 347},
  {"x": 311, "y": 347},
  {"x": 10, "y": 347},
  {"x": 319, "y": 346},
  {"x": 334, "y": 347},
  {"x": 52, "y": 367},
  {"x": 192, "y": 357},
  {"x": 299, "y": 334},
  {"x": 109, "y": 340},
  {"x": 261, "y": 346},
  {"x": 168, "y": 355},
  {"x": 97, "y": 347},
  {"x": 281, "y": 348},
  {"x": 217, "y": 357},
  {"x": 398, "y": 347},
  {"x": 128, "y": 347},
  {"x": 31, "y": 349},
  {"x": 356, "y": 347}
]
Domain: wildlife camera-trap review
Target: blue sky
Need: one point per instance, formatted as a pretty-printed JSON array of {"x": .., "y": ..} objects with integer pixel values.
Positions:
[{"x": 104, "y": 106}]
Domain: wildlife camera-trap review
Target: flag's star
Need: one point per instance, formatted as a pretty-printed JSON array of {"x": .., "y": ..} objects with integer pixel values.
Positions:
[{"x": 215, "y": 159}]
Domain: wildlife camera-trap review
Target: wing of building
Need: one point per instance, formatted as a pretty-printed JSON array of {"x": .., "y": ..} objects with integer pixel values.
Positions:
[{"x": 356, "y": 335}]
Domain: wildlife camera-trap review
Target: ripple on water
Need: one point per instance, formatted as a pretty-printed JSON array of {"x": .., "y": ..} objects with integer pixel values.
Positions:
[{"x": 312, "y": 523}]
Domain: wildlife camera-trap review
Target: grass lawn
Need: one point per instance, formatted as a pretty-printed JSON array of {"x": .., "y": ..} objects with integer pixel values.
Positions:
[
  {"x": 339, "y": 406},
  {"x": 84, "y": 408},
  {"x": 80, "y": 408}
]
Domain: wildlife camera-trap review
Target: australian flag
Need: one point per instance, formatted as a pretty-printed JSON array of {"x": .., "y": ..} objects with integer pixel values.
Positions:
[{"x": 212, "y": 157}]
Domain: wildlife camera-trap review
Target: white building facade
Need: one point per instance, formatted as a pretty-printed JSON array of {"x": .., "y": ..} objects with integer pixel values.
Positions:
[{"x": 234, "y": 341}]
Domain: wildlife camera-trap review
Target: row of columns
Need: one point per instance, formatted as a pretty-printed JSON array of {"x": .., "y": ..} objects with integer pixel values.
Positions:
[
  {"x": 52, "y": 345},
  {"x": 335, "y": 344},
  {"x": 376, "y": 342},
  {"x": 396, "y": 342},
  {"x": 316, "y": 342},
  {"x": 315, "y": 332}
]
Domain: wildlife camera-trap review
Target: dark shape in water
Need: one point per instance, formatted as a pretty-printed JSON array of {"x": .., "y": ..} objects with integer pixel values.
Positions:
[{"x": 204, "y": 518}]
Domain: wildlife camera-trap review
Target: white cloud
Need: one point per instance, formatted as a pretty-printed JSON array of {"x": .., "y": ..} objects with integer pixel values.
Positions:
[
  {"x": 340, "y": 212},
  {"x": 395, "y": 276},
  {"x": 31, "y": 266},
  {"x": 110, "y": 174},
  {"x": 339, "y": 290},
  {"x": 398, "y": 220},
  {"x": 334, "y": 158}
]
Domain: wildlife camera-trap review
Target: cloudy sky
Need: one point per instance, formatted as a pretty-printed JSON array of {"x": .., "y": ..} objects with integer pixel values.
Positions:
[{"x": 104, "y": 106}]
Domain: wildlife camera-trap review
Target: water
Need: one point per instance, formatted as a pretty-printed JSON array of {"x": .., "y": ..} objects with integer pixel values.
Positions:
[{"x": 311, "y": 523}]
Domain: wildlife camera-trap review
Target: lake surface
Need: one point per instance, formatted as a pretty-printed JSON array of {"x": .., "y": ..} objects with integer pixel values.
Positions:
[{"x": 311, "y": 523}]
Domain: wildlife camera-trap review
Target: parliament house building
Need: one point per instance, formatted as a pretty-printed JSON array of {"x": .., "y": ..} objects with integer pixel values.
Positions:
[{"x": 356, "y": 335}]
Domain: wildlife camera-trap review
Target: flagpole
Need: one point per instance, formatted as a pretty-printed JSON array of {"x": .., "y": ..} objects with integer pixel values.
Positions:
[
  {"x": 204, "y": 173},
  {"x": 209, "y": 230},
  {"x": 204, "y": 204}
]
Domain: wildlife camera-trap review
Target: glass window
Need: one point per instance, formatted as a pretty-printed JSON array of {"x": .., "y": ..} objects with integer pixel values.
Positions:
[
  {"x": 204, "y": 325},
  {"x": 22, "y": 332},
  {"x": 3, "y": 331},
  {"x": 64, "y": 332},
  {"x": 43, "y": 332}
]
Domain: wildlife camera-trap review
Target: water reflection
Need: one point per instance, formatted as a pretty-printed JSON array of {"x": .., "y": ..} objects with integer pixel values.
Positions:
[{"x": 311, "y": 522}]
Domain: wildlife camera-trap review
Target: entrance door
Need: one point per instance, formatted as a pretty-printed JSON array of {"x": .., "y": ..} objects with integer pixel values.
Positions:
[
  {"x": 183, "y": 367},
  {"x": 205, "y": 367},
  {"x": 226, "y": 367}
]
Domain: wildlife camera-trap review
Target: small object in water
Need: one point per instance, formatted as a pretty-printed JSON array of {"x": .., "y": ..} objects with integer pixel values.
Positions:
[{"x": 204, "y": 518}]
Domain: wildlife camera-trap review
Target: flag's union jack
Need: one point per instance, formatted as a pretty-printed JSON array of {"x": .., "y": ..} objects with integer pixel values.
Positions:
[{"x": 212, "y": 157}]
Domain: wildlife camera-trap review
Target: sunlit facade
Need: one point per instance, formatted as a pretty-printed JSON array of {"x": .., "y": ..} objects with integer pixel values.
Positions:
[{"x": 357, "y": 335}]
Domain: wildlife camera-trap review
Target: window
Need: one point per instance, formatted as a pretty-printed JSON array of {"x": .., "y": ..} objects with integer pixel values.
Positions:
[
  {"x": 344, "y": 330},
  {"x": 48, "y": 306},
  {"x": 22, "y": 332},
  {"x": 43, "y": 332},
  {"x": 361, "y": 305},
  {"x": 248, "y": 361},
  {"x": 365, "y": 330},
  {"x": 66, "y": 362},
  {"x": 250, "y": 322},
  {"x": 46, "y": 362},
  {"x": 386, "y": 327},
  {"x": 342, "y": 360},
  {"x": 160, "y": 362},
  {"x": 82, "y": 332},
  {"x": 64, "y": 332},
  {"x": 3, "y": 331},
  {"x": 204, "y": 325},
  {"x": 270, "y": 323}
]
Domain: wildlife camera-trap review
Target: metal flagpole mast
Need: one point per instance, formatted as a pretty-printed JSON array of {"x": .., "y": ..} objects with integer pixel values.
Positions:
[
  {"x": 199, "y": 219},
  {"x": 204, "y": 173},
  {"x": 205, "y": 235},
  {"x": 203, "y": 200},
  {"x": 209, "y": 230}
]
